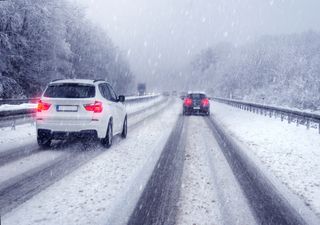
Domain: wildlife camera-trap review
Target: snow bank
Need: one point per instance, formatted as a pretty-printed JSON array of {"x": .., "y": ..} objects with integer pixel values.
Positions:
[
  {"x": 291, "y": 153},
  {"x": 7, "y": 107}
]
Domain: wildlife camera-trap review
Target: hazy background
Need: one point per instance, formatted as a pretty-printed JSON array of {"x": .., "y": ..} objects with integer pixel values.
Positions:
[{"x": 160, "y": 37}]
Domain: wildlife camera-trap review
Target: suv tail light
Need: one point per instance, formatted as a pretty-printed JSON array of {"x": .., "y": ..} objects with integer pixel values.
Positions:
[
  {"x": 96, "y": 107},
  {"x": 188, "y": 102},
  {"x": 205, "y": 102},
  {"x": 43, "y": 106}
]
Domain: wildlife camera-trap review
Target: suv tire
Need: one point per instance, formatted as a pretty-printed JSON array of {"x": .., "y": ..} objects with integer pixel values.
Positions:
[
  {"x": 43, "y": 140},
  {"x": 107, "y": 140},
  {"x": 124, "y": 128}
]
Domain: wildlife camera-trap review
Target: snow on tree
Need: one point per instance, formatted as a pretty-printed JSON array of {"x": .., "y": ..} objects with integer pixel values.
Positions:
[{"x": 44, "y": 40}]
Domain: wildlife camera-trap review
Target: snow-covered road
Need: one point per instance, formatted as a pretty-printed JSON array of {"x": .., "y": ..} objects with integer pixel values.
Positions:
[
  {"x": 289, "y": 152},
  {"x": 24, "y": 166},
  {"x": 210, "y": 193},
  {"x": 170, "y": 170},
  {"x": 90, "y": 194}
]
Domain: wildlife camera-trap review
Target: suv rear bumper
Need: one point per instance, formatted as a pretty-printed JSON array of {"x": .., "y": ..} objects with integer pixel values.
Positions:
[
  {"x": 62, "y": 130},
  {"x": 61, "y": 135}
]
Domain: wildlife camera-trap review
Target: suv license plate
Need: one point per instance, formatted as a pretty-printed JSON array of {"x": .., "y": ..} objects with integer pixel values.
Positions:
[
  {"x": 196, "y": 107},
  {"x": 67, "y": 108}
]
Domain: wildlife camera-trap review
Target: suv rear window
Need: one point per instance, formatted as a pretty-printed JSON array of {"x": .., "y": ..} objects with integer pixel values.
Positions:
[
  {"x": 197, "y": 96},
  {"x": 70, "y": 91}
]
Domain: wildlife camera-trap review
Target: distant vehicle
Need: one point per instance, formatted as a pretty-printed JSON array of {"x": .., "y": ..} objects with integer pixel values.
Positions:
[
  {"x": 174, "y": 93},
  {"x": 166, "y": 93},
  {"x": 196, "y": 103},
  {"x": 142, "y": 88},
  {"x": 80, "y": 108}
]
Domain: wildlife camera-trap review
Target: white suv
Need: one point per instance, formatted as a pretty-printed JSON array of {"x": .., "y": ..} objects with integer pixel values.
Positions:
[{"x": 80, "y": 108}]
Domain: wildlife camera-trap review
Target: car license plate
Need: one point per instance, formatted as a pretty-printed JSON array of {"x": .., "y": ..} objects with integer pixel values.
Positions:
[
  {"x": 197, "y": 107},
  {"x": 67, "y": 108}
]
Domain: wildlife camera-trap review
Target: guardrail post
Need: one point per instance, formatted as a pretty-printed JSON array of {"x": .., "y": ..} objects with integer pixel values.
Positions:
[
  {"x": 289, "y": 119},
  {"x": 282, "y": 117},
  {"x": 308, "y": 124},
  {"x": 13, "y": 126},
  {"x": 297, "y": 121},
  {"x": 270, "y": 114}
]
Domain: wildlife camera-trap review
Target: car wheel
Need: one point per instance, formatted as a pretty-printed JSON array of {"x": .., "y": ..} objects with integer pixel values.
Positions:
[
  {"x": 44, "y": 141},
  {"x": 107, "y": 140},
  {"x": 124, "y": 128}
]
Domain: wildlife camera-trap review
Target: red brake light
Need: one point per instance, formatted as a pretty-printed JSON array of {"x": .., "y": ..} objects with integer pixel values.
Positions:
[
  {"x": 205, "y": 102},
  {"x": 188, "y": 102},
  {"x": 43, "y": 106},
  {"x": 96, "y": 107}
]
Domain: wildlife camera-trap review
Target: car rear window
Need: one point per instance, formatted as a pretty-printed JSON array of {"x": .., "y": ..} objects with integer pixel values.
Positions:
[
  {"x": 70, "y": 91},
  {"x": 197, "y": 96}
]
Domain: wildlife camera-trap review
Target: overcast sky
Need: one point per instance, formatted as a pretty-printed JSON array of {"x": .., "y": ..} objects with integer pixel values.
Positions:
[{"x": 160, "y": 36}]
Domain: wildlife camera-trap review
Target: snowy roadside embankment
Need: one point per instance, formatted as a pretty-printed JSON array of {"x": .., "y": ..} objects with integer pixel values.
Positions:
[
  {"x": 7, "y": 107},
  {"x": 105, "y": 186},
  {"x": 137, "y": 106},
  {"x": 291, "y": 153}
]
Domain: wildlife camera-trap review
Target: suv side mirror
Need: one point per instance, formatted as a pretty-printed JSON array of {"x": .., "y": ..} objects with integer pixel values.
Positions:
[{"x": 121, "y": 98}]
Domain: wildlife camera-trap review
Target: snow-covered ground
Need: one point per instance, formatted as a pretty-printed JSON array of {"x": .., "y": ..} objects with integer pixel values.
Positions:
[
  {"x": 21, "y": 166},
  {"x": 210, "y": 193},
  {"x": 291, "y": 153},
  {"x": 137, "y": 106},
  {"x": 22, "y": 135},
  {"x": 105, "y": 188},
  {"x": 7, "y": 107}
]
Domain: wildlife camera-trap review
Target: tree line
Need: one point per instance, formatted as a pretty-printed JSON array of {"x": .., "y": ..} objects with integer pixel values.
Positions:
[
  {"x": 43, "y": 40},
  {"x": 280, "y": 70}
]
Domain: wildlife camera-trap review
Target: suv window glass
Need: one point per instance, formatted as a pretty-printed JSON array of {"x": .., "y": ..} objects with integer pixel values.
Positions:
[
  {"x": 70, "y": 90},
  {"x": 104, "y": 91},
  {"x": 112, "y": 93}
]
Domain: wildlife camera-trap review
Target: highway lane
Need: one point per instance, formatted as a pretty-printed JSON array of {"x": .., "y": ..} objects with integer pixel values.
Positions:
[
  {"x": 200, "y": 178},
  {"x": 15, "y": 191}
]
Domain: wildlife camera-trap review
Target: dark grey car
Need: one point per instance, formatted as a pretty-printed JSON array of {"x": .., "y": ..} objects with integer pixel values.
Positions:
[{"x": 196, "y": 103}]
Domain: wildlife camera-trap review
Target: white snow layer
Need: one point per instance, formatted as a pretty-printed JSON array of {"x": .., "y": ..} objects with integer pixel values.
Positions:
[
  {"x": 105, "y": 188},
  {"x": 290, "y": 152},
  {"x": 7, "y": 107},
  {"x": 210, "y": 192}
]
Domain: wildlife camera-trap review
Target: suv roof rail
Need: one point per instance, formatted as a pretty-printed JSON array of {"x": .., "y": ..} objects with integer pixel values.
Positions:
[{"x": 97, "y": 80}]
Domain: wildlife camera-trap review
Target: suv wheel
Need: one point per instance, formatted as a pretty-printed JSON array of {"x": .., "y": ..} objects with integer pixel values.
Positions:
[
  {"x": 124, "y": 128},
  {"x": 43, "y": 140},
  {"x": 107, "y": 140}
]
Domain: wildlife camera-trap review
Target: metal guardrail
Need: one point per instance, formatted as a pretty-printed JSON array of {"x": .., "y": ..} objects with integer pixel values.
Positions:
[
  {"x": 10, "y": 117},
  {"x": 18, "y": 101},
  {"x": 299, "y": 117}
]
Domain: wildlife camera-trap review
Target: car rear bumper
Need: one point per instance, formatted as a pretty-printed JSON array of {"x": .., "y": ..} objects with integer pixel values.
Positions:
[
  {"x": 192, "y": 110},
  {"x": 61, "y": 135},
  {"x": 59, "y": 130}
]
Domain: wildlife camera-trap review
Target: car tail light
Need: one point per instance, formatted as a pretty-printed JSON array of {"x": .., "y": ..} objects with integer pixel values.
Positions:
[
  {"x": 188, "y": 102},
  {"x": 96, "y": 107},
  {"x": 43, "y": 106},
  {"x": 205, "y": 102}
]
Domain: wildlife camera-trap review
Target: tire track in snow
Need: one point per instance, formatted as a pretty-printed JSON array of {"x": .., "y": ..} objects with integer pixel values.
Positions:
[{"x": 20, "y": 189}]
